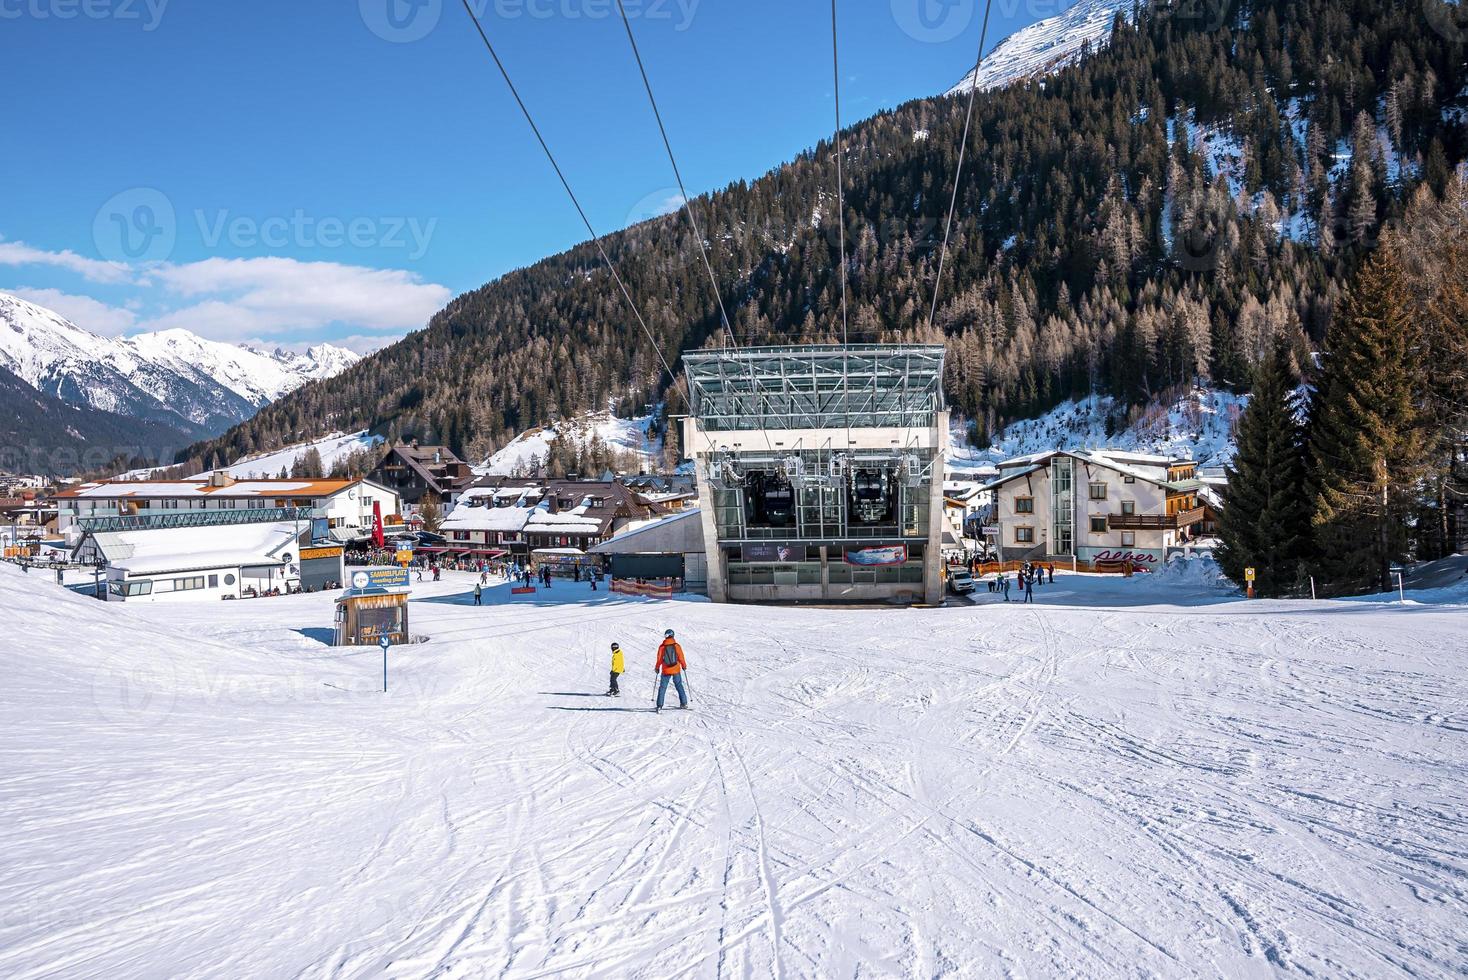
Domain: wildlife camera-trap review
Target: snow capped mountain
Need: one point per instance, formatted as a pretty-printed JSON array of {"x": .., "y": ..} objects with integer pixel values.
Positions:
[
  {"x": 1045, "y": 46},
  {"x": 198, "y": 386}
]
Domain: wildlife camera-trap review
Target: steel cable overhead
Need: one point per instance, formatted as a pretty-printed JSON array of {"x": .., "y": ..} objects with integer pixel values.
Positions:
[
  {"x": 678, "y": 174},
  {"x": 595, "y": 238},
  {"x": 758, "y": 388},
  {"x": 841, "y": 226},
  {"x": 958, "y": 174}
]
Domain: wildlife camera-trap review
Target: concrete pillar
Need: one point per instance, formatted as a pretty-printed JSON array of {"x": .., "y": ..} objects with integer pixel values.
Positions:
[
  {"x": 718, "y": 569},
  {"x": 825, "y": 573},
  {"x": 933, "y": 563}
]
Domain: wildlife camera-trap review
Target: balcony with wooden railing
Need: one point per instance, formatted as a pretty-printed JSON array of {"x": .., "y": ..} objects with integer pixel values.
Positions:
[{"x": 1155, "y": 522}]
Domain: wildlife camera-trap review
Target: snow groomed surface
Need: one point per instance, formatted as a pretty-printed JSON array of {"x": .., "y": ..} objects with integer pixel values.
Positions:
[{"x": 1131, "y": 777}]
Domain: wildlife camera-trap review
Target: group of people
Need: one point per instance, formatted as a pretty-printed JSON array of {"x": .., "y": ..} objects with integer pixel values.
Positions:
[
  {"x": 1029, "y": 575},
  {"x": 670, "y": 667}
]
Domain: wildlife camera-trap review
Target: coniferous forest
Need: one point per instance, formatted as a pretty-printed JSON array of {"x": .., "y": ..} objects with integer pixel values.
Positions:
[{"x": 1172, "y": 208}]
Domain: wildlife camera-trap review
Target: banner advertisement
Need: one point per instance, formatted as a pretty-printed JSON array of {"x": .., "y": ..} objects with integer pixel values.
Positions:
[
  {"x": 877, "y": 557},
  {"x": 772, "y": 552}
]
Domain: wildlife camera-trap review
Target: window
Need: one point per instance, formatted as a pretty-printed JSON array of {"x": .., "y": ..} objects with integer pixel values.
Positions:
[
  {"x": 214, "y": 581},
  {"x": 129, "y": 589},
  {"x": 1024, "y": 535},
  {"x": 1024, "y": 505},
  {"x": 1128, "y": 539},
  {"x": 1098, "y": 525},
  {"x": 1128, "y": 507},
  {"x": 229, "y": 580},
  {"x": 1098, "y": 491},
  {"x": 1129, "y": 479},
  {"x": 188, "y": 584}
]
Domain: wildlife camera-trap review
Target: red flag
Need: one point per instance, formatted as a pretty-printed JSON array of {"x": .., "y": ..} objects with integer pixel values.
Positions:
[{"x": 378, "y": 538}]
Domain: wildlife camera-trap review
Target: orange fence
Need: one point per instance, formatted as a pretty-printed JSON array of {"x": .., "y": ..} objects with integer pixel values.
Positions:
[
  {"x": 1061, "y": 565},
  {"x": 627, "y": 586}
]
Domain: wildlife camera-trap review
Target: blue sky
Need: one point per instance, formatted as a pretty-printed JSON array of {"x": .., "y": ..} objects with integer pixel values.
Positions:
[{"x": 286, "y": 172}]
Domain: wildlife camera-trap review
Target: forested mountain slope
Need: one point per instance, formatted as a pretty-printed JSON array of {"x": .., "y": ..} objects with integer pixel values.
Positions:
[{"x": 1151, "y": 215}]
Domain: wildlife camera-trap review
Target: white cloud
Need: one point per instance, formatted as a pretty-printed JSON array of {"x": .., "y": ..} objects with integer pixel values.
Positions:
[
  {"x": 84, "y": 311},
  {"x": 93, "y": 270},
  {"x": 271, "y": 297}
]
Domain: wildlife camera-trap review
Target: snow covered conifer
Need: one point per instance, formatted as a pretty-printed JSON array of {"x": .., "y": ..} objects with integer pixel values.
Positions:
[{"x": 1265, "y": 523}]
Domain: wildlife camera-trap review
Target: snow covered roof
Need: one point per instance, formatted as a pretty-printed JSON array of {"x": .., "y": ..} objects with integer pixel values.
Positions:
[
  {"x": 264, "y": 489},
  {"x": 197, "y": 548},
  {"x": 487, "y": 519},
  {"x": 1120, "y": 462},
  {"x": 648, "y": 537},
  {"x": 576, "y": 519}
]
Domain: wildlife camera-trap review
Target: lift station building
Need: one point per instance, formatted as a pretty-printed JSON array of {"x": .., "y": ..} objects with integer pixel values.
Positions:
[{"x": 820, "y": 471}]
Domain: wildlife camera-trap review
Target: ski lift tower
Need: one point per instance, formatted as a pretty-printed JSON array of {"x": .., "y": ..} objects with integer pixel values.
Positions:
[{"x": 820, "y": 471}]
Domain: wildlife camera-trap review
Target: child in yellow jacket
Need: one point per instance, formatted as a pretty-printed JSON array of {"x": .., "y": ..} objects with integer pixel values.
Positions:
[{"x": 618, "y": 667}]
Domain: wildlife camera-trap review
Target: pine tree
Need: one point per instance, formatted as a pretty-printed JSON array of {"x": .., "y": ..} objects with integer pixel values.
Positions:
[
  {"x": 1265, "y": 523},
  {"x": 1366, "y": 437}
]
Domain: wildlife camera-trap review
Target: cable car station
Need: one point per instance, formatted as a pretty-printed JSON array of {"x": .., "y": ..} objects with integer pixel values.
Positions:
[{"x": 820, "y": 471}]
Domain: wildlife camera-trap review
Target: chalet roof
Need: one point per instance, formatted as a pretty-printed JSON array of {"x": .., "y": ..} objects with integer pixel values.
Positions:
[
  {"x": 153, "y": 489},
  {"x": 197, "y": 548}
]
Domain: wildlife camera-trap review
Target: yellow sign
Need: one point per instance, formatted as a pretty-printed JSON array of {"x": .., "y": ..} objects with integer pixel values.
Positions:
[
  {"x": 1248, "y": 575},
  {"x": 405, "y": 558},
  {"x": 309, "y": 554}
]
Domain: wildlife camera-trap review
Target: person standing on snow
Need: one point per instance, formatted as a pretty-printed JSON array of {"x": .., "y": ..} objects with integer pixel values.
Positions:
[
  {"x": 670, "y": 666},
  {"x": 478, "y": 594},
  {"x": 618, "y": 668}
]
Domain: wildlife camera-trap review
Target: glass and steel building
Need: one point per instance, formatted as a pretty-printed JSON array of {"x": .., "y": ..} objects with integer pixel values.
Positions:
[{"x": 820, "y": 471}]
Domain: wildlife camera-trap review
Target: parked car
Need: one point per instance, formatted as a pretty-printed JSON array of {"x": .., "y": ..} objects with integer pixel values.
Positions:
[{"x": 960, "y": 581}]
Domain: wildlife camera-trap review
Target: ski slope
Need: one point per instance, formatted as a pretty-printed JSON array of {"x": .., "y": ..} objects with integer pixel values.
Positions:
[
  {"x": 529, "y": 449},
  {"x": 1197, "y": 425},
  {"x": 1132, "y": 777},
  {"x": 333, "y": 449}
]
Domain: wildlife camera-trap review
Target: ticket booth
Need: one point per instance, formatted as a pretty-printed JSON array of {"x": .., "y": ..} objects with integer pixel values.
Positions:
[{"x": 375, "y": 606}]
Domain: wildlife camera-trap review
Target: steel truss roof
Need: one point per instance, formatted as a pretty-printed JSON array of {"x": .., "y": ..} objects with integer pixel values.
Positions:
[
  {"x": 816, "y": 387},
  {"x": 193, "y": 518}
]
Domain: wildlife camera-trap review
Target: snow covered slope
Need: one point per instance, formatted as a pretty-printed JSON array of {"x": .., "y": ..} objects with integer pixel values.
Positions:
[
  {"x": 333, "y": 449},
  {"x": 1046, "y": 46},
  {"x": 1197, "y": 426},
  {"x": 1131, "y": 778},
  {"x": 530, "y": 448},
  {"x": 174, "y": 377}
]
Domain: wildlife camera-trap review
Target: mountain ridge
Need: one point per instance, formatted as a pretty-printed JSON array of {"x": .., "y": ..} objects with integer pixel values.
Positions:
[{"x": 172, "y": 378}]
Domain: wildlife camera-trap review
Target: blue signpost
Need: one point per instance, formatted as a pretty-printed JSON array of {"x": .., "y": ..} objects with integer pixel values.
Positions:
[{"x": 384, "y": 641}]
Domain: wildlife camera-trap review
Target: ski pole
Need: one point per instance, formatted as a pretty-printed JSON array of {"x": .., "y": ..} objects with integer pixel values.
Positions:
[{"x": 688, "y": 683}]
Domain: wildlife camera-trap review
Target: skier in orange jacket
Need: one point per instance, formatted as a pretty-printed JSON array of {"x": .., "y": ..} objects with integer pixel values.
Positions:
[{"x": 670, "y": 666}]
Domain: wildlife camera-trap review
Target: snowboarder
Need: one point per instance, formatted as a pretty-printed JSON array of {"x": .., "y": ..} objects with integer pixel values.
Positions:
[
  {"x": 1004, "y": 581},
  {"x": 1028, "y": 588},
  {"x": 1052, "y": 574},
  {"x": 478, "y": 594},
  {"x": 670, "y": 666},
  {"x": 618, "y": 667}
]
